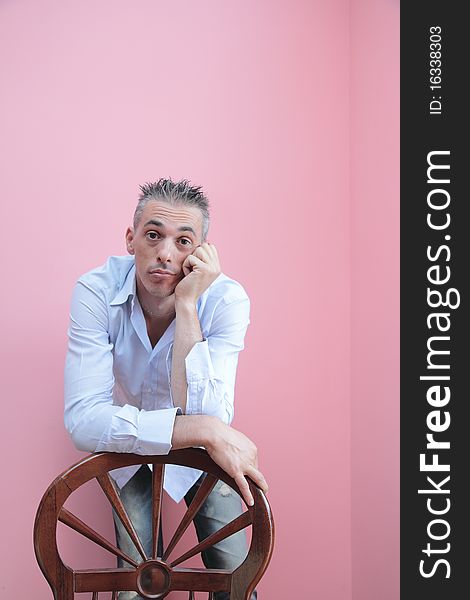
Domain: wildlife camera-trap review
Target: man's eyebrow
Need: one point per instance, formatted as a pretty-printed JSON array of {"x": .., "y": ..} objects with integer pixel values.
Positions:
[{"x": 160, "y": 224}]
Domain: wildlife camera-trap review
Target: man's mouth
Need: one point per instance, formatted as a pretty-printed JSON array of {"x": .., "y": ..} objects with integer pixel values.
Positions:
[{"x": 161, "y": 274}]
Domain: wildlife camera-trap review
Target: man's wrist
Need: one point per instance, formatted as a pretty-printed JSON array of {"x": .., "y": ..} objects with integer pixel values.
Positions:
[
  {"x": 196, "y": 430},
  {"x": 212, "y": 432},
  {"x": 185, "y": 306}
]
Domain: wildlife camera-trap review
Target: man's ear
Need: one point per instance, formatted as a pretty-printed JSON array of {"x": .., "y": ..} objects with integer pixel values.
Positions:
[{"x": 130, "y": 240}]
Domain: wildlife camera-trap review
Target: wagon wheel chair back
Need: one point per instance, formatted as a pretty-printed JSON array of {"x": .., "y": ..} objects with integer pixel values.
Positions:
[{"x": 154, "y": 576}]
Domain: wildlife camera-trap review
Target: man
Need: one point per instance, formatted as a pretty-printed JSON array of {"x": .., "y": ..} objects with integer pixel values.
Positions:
[{"x": 153, "y": 348}]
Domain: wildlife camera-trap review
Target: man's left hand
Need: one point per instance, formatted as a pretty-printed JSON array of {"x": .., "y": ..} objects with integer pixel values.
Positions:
[{"x": 200, "y": 268}]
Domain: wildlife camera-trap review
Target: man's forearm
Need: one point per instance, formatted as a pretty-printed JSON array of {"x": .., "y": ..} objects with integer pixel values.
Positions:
[{"x": 187, "y": 333}]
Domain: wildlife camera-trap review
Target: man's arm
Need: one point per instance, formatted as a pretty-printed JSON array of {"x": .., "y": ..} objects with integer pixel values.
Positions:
[
  {"x": 187, "y": 334},
  {"x": 200, "y": 268},
  {"x": 203, "y": 370},
  {"x": 211, "y": 373},
  {"x": 94, "y": 423},
  {"x": 211, "y": 367},
  {"x": 208, "y": 372}
]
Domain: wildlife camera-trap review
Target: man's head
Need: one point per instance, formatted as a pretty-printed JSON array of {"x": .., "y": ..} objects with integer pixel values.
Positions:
[
  {"x": 176, "y": 193},
  {"x": 170, "y": 221}
]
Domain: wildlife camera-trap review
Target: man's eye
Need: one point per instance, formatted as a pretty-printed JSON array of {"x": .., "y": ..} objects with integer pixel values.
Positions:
[
  {"x": 152, "y": 235},
  {"x": 185, "y": 241}
]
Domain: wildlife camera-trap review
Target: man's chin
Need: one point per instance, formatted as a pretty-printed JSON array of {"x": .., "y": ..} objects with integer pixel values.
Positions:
[
  {"x": 161, "y": 291},
  {"x": 162, "y": 288}
]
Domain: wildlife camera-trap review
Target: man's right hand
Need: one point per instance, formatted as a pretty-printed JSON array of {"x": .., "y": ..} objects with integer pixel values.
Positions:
[{"x": 233, "y": 451}]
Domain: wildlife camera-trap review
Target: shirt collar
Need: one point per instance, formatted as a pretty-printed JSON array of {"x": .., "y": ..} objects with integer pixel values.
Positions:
[{"x": 128, "y": 289}]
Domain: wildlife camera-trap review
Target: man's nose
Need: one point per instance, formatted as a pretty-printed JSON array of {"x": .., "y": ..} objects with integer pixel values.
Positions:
[{"x": 165, "y": 251}]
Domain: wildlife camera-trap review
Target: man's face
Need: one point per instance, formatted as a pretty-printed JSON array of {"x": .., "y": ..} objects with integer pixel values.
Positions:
[{"x": 164, "y": 237}]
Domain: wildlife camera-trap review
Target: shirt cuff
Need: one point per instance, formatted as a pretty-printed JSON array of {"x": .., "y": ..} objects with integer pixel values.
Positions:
[
  {"x": 198, "y": 363},
  {"x": 155, "y": 430}
]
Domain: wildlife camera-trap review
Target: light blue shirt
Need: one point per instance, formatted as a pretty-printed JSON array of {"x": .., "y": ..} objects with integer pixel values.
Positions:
[{"x": 117, "y": 387}]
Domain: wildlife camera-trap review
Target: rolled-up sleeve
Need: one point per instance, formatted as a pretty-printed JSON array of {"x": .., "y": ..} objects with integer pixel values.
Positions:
[
  {"x": 94, "y": 423},
  {"x": 211, "y": 364}
]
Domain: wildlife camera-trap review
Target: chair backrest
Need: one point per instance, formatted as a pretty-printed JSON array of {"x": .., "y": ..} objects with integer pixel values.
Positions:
[{"x": 153, "y": 577}]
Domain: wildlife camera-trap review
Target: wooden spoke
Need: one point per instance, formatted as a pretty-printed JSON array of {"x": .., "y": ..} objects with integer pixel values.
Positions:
[
  {"x": 191, "y": 596},
  {"x": 114, "y": 595},
  {"x": 94, "y": 596},
  {"x": 108, "y": 487},
  {"x": 105, "y": 580},
  {"x": 75, "y": 523},
  {"x": 204, "y": 490},
  {"x": 157, "y": 486},
  {"x": 201, "y": 580},
  {"x": 236, "y": 525}
]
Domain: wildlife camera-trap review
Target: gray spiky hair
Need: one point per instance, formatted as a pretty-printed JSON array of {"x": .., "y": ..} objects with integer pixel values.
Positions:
[{"x": 175, "y": 193}]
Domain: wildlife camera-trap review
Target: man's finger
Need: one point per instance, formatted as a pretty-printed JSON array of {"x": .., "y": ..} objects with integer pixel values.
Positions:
[
  {"x": 210, "y": 255},
  {"x": 244, "y": 489},
  {"x": 210, "y": 248},
  {"x": 258, "y": 478},
  {"x": 192, "y": 261},
  {"x": 202, "y": 253}
]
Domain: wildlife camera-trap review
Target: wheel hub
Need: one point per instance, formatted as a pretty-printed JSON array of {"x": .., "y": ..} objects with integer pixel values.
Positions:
[{"x": 153, "y": 579}]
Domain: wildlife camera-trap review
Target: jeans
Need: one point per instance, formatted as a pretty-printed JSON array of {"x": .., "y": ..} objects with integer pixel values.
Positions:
[{"x": 221, "y": 506}]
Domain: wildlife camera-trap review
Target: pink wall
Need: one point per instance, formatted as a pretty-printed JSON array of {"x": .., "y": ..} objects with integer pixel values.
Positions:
[
  {"x": 251, "y": 100},
  {"x": 375, "y": 86}
]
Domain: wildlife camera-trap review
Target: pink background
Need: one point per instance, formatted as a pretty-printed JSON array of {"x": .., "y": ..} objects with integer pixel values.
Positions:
[{"x": 287, "y": 113}]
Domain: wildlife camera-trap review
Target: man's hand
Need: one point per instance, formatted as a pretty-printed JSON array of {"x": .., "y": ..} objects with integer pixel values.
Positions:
[
  {"x": 238, "y": 456},
  {"x": 200, "y": 268},
  {"x": 228, "y": 447}
]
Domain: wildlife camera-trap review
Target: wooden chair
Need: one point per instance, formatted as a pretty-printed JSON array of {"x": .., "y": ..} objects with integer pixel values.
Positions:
[{"x": 154, "y": 576}]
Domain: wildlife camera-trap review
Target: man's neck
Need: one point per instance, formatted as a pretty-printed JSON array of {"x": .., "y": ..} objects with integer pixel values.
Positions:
[{"x": 156, "y": 308}]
